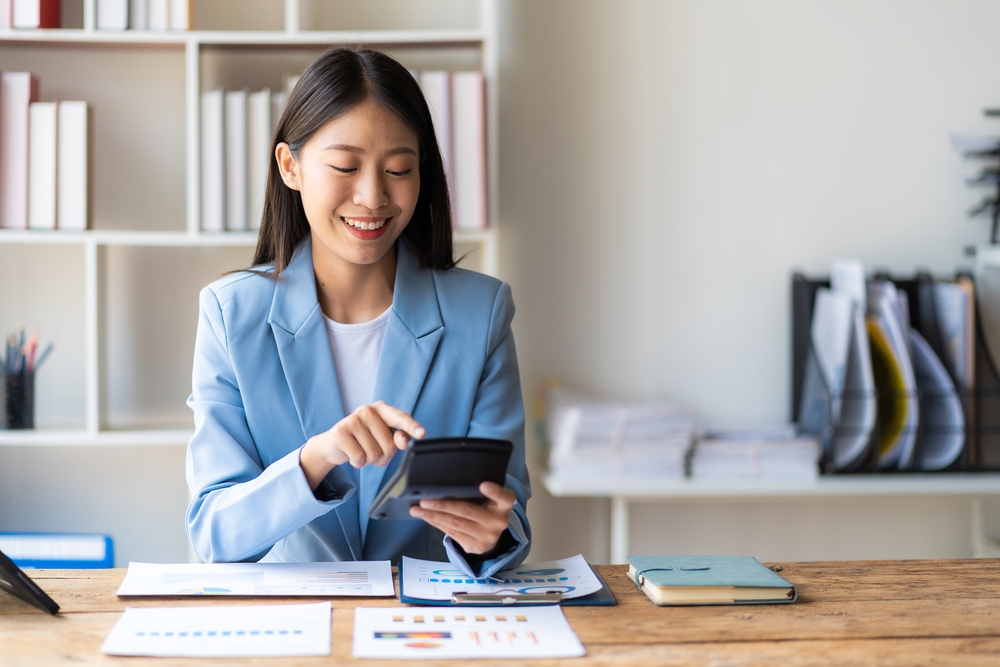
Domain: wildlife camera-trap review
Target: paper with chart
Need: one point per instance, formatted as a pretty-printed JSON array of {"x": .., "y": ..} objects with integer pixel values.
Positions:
[
  {"x": 222, "y": 632},
  {"x": 430, "y": 580},
  {"x": 361, "y": 578},
  {"x": 447, "y": 632}
]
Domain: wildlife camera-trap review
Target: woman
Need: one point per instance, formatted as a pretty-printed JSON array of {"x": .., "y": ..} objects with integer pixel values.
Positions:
[{"x": 353, "y": 333}]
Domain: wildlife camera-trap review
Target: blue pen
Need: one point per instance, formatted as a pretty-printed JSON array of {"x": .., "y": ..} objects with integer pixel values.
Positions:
[{"x": 45, "y": 353}]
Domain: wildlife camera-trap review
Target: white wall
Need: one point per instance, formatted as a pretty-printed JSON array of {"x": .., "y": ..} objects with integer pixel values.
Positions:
[{"x": 666, "y": 165}]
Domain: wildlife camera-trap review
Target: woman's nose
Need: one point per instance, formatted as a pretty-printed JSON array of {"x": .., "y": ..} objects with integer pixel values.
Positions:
[{"x": 370, "y": 191}]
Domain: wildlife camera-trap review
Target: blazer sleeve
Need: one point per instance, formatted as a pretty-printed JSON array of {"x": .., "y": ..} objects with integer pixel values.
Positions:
[
  {"x": 239, "y": 508},
  {"x": 499, "y": 413}
]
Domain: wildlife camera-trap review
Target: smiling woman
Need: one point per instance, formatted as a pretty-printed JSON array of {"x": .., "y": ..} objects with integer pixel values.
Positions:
[{"x": 352, "y": 333}]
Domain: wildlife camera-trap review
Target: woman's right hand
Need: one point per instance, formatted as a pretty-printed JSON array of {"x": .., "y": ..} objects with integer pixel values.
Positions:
[{"x": 370, "y": 435}]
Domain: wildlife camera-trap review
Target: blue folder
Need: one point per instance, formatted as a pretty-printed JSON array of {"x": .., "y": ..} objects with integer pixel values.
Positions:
[{"x": 67, "y": 551}]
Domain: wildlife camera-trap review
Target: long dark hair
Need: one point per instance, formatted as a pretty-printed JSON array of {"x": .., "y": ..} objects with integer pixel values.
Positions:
[{"x": 332, "y": 85}]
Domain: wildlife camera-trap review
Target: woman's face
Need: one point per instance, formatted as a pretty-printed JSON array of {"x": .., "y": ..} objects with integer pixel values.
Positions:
[{"x": 359, "y": 177}]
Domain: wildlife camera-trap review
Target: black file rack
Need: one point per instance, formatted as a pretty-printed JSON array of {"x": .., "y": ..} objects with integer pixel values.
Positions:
[{"x": 980, "y": 403}]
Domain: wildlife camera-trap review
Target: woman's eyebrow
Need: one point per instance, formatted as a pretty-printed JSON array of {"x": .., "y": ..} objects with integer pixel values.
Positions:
[{"x": 361, "y": 151}]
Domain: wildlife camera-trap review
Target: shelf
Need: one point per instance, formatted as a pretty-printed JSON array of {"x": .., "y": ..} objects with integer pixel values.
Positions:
[
  {"x": 127, "y": 238},
  {"x": 935, "y": 484},
  {"x": 248, "y": 38},
  {"x": 165, "y": 239},
  {"x": 82, "y": 437}
]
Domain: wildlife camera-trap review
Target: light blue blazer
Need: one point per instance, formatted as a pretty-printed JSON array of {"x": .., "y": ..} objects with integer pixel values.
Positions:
[{"x": 264, "y": 382}]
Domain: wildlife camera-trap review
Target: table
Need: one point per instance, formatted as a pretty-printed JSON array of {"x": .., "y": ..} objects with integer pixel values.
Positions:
[
  {"x": 941, "y": 612},
  {"x": 622, "y": 492}
]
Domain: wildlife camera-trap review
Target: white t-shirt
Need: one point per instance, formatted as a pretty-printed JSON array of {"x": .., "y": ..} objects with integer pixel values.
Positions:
[{"x": 356, "y": 350}]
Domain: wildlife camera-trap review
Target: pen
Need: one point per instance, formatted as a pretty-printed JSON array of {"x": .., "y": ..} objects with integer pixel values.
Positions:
[
  {"x": 29, "y": 351},
  {"x": 45, "y": 353}
]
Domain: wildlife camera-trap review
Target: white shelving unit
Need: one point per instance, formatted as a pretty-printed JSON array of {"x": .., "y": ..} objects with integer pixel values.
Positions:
[
  {"x": 976, "y": 486},
  {"x": 199, "y": 54}
]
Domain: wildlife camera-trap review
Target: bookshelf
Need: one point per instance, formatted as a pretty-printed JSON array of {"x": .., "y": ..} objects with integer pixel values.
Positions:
[
  {"x": 622, "y": 492},
  {"x": 127, "y": 293}
]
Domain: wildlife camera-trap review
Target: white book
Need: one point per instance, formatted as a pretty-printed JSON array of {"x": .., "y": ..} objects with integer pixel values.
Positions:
[
  {"x": 278, "y": 102},
  {"x": 27, "y": 13},
  {"x": 180, "y": 14},
  {"x": 112, "y": 14},
  {"x": 6, "y": 14},
  {"x": 437, "y": 91},
  {"x": 42, "y": 131},
  {"x": 259, "y": 130},
  {"x": 71, "y": 201},
  {"x": 158, "y": 15},
  {"x": 236, "y": 160},
  {"x": 213, "y": 162},
  {"x": 17, "y": 91},
  {"x": 138, "y": 14},
  {"x": 469, "y": 150}
]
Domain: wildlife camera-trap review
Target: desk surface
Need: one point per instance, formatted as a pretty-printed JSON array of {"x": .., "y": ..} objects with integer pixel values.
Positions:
[{"x": 941, "y": 612}]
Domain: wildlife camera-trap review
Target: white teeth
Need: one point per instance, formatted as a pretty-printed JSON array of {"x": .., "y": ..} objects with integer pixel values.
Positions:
[{"x": 364, "y": 225}]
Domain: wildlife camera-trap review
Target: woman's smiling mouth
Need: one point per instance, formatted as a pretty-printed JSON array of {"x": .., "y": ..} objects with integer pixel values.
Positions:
[{"x": 366, "y": 228}]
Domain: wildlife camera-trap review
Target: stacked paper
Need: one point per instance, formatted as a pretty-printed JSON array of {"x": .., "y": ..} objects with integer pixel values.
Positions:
[
  {"x": 755, "y": 455},
  {"x": 591, "y": 438}
]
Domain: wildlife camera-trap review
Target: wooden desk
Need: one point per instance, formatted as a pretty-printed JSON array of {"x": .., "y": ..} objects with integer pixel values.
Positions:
[{"x": 941, "y": 612}]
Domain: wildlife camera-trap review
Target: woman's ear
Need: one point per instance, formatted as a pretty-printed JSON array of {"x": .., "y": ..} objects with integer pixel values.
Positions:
[{"x": 288, "y": 167}]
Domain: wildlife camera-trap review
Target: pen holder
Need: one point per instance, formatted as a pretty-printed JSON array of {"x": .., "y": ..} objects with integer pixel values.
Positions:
[{"x": 19, "y": 400}]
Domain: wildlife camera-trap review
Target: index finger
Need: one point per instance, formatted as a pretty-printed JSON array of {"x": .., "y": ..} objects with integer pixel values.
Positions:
[{"x": 397, "y": 419}]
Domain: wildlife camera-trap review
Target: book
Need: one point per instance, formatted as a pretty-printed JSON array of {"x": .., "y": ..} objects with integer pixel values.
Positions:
[
  {"x": 6, "y": 14},
  {"x": 158, "y": 15},
  {"x": 42, "y": 130},
  {"x": 702, "y": 580},
  {"x": 213, "y": 162},
  {"x": 468, "y": 150},
  {"x": 259, "y": 130},
  {"x": 138, "y": 14},
  {"x": 32, "y": 14},
  {"x": 236, "y": 160},
  {"x": 17, "y": 91},
  {"x": 71, "y": 164},
  {"x": 436, "y": 87},
  {"x": 180, "y": 14},
  {"x": 112, "y": 14},
  {"x": 278, "y": 101}
]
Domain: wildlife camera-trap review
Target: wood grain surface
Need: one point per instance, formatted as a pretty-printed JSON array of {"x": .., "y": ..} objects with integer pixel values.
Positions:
[{"x": 929, "y": 612}]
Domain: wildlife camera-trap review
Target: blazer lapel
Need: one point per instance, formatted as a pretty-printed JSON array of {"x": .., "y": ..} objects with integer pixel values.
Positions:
[
  {"x": 304, "y": 346},
  {"x": 304, "y": 349},
  {"x": 411, "y": 340}
]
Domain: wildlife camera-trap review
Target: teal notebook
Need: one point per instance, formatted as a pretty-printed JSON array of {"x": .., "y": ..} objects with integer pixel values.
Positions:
[{"x": 694, "y": 580}]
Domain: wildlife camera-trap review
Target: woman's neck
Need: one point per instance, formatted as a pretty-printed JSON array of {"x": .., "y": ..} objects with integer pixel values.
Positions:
[{"x": 353, "y": 293}]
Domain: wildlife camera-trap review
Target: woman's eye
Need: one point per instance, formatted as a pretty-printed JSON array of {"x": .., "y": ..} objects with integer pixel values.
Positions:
[
  {"x": 399, "y": 173},
  {"x": 344, "y": 170}
]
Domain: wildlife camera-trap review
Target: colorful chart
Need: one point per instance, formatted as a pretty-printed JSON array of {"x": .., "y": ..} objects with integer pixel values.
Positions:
[{"x": 204, "y": 590}]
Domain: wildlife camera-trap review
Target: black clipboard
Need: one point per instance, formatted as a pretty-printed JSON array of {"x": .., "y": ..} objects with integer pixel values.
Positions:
[
  {"x": 17, "y": 583},
  {"x": 442, "y": 468}
]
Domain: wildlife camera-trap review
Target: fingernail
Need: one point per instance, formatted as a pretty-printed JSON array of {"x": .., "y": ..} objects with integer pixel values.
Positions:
[
  {"x": 416, "y": 512},
  {"x": 420, "y": 432}
]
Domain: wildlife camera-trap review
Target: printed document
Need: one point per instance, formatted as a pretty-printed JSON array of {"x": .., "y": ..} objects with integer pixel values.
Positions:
[
  {"x": 361, "y": 578},
  {"x": 428, "y": 633},
  {"x": 429, "y": 580},
  {"x": 247, "y": 631}
]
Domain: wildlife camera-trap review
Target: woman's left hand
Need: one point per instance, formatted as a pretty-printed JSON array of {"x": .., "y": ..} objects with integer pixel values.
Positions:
[{"x": 477, "y": 528}]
